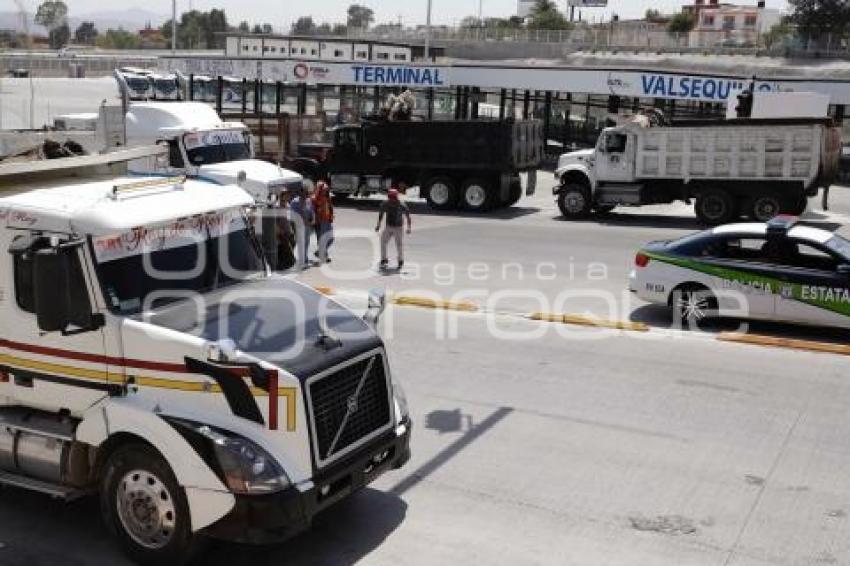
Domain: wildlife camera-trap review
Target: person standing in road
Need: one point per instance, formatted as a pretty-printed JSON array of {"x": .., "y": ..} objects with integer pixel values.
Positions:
[
  {"x": 324, "y": 210},
  {"x": 395, "y": 211},
  {"x": 303, "y": 216}
]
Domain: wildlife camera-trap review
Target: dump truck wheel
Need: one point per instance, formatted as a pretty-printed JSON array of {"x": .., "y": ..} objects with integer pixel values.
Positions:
[
  {"x": 715, "y": 207},
  {"x": 575, "y": 201},
  {"x": 476, "y": 195},
  {"x": 441, "y": 193}
]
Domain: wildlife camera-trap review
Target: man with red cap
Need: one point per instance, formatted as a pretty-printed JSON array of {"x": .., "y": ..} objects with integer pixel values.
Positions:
[
  {"x": 395, "y": 211},
  {"x": 324, "y": 210}
]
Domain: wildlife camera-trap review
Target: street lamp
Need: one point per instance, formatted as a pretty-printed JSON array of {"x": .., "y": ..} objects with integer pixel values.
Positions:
[{"x": 428, "y": 33}]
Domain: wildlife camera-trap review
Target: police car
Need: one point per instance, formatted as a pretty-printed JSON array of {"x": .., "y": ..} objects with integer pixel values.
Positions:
[{"x": 779, "y": 270}]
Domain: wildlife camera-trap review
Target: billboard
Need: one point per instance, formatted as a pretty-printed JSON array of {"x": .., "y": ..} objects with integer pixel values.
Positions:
[{"x": 587, "y": 3}]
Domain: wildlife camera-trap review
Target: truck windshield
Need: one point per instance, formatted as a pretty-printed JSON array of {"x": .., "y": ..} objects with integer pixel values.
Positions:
[
  {"x": 149, "y": 267},
  {"x": 205, "y": 148}
]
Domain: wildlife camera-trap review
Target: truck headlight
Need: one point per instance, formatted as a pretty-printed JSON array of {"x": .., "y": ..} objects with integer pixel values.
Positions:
[
  {"x": 400, "y": 398},
  {"x": 247, "y": 468}
]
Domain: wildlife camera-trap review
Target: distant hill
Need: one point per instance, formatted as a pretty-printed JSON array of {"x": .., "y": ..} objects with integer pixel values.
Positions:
[{"x": 132, "y": 19}]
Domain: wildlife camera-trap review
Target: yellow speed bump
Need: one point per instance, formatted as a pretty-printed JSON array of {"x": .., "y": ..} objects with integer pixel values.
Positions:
[
  {"x": 583, "y": 320},
  {"x": 325, "y": 290},
  {"x": 790, "y": 343},
  {"x": 429, "y": 303}
]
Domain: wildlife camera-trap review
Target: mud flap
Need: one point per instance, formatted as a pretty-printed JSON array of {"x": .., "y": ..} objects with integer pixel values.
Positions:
[
  {"x": 531, "y": 184},
  {"x": 825, "y": 201}
]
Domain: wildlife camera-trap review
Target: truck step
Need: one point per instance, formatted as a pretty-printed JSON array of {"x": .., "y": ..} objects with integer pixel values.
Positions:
[
  {"x": 37, "y": 422},
  {"x": 629, "y": 194},
  {"x": 62, "y": 492}
]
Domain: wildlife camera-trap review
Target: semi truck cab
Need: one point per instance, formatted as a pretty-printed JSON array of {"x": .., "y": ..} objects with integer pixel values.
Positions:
[{"x": 148, "y": 355}]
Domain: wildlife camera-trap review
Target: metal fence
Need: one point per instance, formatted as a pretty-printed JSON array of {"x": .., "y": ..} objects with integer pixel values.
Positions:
[{"x": 624, "y": 37}]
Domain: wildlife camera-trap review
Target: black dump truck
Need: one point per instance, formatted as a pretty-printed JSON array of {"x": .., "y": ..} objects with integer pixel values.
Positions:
[{"x": 474, "y": 165}]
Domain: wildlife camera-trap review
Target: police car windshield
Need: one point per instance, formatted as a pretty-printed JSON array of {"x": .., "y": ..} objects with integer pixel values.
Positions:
[
  {"x": 206, "y": 148},
  {"x": 840, "y": 246},
  {"x": 150, "y": 267}
]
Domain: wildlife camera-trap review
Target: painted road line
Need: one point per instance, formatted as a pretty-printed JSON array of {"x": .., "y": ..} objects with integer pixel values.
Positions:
[
  {"x": 789, "y": 343},
  {"x": 430, "y": 303},
  {"x": 583, "y": 320}
]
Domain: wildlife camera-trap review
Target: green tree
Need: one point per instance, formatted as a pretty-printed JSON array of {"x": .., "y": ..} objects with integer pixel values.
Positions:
[
  {"x": 819, "y": 19},
  {"x": 545, "y": 15},
  {"x": 682, "y": 22},
  {"x": 118, "y": 39},
  {"x": 51, "y": 14},
  {"x": 360, "y": 17},
  {"x": 59, "y": 36},
  {"x": 777, "y": 35},
  {"x": 244, "y": 27},
  {"x": 304, "y": 26},
  {"x": 85, "y": 34},
  {"x": 340, "y": 30},
  {"x": 199, "y": 30}
]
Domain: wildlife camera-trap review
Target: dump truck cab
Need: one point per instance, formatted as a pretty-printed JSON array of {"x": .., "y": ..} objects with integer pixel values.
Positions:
[{"x": 150, "y": 355}]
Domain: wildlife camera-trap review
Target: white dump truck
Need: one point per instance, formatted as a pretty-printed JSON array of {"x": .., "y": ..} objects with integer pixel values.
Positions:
[
  {"x": 754, "y": 167},
  {"x": 148, "y": 355}
]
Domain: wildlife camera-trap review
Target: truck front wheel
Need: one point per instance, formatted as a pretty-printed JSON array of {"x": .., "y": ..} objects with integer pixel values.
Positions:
[
  {"x": 575, "y": 201},
  {"x": 145, "y": 507},
  {"x": 441, "y": 193},
  {"x": 476, "y": 195},
  {"x": 715, "y": 207}
]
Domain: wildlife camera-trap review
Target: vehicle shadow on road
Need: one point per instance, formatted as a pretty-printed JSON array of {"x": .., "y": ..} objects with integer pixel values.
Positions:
[
  {"x": 344, "y": 535},
  {"x": 639, "y": 221},
  {"x": 421, "y": 208},
  {"x": 36, "y": 530},
  {"x": 657, "y": 316}
]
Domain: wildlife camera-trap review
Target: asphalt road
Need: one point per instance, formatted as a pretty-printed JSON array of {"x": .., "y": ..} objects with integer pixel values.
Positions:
[{"x": 534, "y": 444}]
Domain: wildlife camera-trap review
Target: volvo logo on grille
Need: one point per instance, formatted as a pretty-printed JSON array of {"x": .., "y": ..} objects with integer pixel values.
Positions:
[{"x": 351, "y": 404}]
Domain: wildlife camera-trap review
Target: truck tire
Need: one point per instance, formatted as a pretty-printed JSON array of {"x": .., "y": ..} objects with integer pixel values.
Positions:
[
  {"x": 515, "y": 192},
  {"x": 144, "y": 506},
  {"x": 441, "y": 193},
  {"x": 796, "y": 206},
  {"x": 764, "y": 207},
  {"x": 575, "y": 201},
  {"x": 476, "y": 195},
  {"x": 715, "y": 207}
]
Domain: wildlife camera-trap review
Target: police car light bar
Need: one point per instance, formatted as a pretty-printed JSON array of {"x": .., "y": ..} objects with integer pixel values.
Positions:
[{"x": 781, "y": 224}]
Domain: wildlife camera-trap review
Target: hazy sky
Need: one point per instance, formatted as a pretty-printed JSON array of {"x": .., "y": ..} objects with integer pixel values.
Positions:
[{"x": 282, "y": 13}]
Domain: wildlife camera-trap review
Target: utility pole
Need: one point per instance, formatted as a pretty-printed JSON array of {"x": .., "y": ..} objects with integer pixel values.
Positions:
[
  {"x": 428, "y": 33},
  {"x": 173, "y": 26},
  {"x": 481, "y": 13}
]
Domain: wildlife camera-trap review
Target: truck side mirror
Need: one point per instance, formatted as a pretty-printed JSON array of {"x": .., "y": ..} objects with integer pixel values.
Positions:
[{"x": 51, "y": 279}]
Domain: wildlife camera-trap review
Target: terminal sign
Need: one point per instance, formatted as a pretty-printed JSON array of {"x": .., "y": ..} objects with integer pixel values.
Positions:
[{"x": 402, "y": 76}]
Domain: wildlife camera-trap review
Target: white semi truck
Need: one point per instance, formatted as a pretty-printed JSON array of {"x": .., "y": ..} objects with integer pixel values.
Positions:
[
  {"x": 755, "y": 167},
  {"x": 149, "y": 355}
]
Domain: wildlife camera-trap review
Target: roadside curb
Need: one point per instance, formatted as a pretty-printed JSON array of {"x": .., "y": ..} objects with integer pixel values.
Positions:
[
  {"x": 786, "y": 343},
  {"x": 436, "y": 304},
  {"x": 593, "y": 322},
  {"x": 583, "y": 320}
]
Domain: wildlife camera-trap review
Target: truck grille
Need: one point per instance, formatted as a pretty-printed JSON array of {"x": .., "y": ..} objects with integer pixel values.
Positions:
[{"x": 349, "y": 406}]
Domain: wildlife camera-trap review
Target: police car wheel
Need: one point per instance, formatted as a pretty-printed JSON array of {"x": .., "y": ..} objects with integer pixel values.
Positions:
[
  {"x": 715, "y": 206},
  {"x": 144, "y": 506},
  {"x": 692, "y": 305},
  {"x": 765, "y": 207},
  {"x": 575, "y": 201}
]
